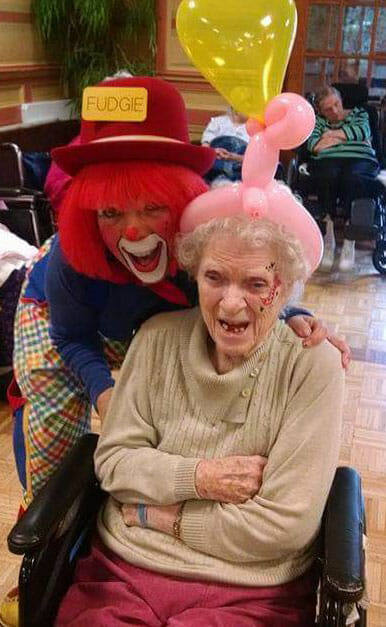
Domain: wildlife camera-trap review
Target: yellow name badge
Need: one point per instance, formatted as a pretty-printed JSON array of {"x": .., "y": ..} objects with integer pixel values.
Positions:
[{"x": 115, "y": 104}]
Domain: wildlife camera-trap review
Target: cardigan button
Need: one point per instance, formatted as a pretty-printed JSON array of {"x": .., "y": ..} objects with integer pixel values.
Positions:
[{"x": 246, "y": 392}]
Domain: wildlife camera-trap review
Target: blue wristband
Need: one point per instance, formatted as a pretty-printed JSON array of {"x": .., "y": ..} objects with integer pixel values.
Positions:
[{"x": 142, "y": 514}]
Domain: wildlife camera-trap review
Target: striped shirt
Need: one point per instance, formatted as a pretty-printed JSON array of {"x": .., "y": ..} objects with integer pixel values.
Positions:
[{"x": 356, "y": 127}]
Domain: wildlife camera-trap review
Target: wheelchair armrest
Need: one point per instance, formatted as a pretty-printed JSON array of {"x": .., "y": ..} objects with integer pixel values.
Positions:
[
  {"x": 68, "y": 484},
  {"x": 344, "y": 525},
  {"x": 292, "y": 171}
]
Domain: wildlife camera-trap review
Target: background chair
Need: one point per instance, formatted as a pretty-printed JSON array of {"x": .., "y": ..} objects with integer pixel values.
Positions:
[
  {"x": 26, "y": 212},
  {"x": 59, "y": 523},
  {"x": 368, "y": 215}
]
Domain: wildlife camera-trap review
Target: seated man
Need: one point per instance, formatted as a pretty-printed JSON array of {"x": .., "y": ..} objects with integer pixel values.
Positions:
[
  {"x": 227, "y": 134},
  {"x": 343, "y": 162},
  {"x": 219, "y": 447}
]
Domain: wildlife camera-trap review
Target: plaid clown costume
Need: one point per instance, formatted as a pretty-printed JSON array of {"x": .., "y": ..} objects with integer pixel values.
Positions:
[{"x": 53, "y": 405}]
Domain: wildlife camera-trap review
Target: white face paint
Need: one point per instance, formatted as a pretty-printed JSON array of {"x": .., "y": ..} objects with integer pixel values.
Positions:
[{"x": 146, "y": 258}]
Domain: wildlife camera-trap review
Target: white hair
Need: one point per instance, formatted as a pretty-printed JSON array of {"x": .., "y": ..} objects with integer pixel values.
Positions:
[
  {"x": 323, "y": 93},
  {"x": 291, "y": 265}
]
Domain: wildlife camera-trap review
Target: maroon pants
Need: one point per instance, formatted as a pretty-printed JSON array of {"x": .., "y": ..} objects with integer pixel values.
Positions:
[{"x": 108, "y": 592}]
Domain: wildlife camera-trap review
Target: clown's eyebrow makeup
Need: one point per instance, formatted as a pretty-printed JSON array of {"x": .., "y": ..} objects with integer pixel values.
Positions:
[
  {"x": 154, "y": 207},
  {"x": 109, "y": 213}
]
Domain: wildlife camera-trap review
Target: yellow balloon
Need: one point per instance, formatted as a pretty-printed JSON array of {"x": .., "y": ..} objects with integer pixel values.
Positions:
[{"x": 242, "y": 47}]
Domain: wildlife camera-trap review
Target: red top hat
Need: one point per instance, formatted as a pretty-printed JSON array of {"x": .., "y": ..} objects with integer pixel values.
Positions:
[{"x": 162, "y": 136}]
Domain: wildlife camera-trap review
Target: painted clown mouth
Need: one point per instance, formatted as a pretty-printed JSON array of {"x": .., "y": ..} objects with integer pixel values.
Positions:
[
  {"x": 147, "y": 258},
  {"x": 146, "y": 263}
]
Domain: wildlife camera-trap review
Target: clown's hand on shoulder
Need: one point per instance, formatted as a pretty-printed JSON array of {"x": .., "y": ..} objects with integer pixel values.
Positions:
[
  {"x": 103, "y": 402},
  {"x": 315, "y": 331}
]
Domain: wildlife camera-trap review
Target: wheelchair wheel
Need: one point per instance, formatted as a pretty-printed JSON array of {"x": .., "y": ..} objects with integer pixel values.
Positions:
[{"x": 379, "y": 257}]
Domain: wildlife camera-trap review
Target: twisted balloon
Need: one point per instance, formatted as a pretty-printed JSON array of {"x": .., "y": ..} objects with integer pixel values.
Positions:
[{"x": 288, "y": 121}]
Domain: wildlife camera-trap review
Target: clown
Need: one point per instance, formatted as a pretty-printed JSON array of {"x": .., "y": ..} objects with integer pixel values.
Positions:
[{"x": 109, "y": 269}]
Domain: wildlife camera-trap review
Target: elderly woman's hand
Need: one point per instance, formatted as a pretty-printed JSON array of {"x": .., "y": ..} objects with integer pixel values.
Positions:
[
  {"x": 314, "y": 331},
  {"x": 233, "y": 479},
  {"x": 159, "y": 517}
]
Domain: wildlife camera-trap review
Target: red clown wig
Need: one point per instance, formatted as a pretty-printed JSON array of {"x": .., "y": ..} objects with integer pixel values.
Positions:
[{"x": 121, "y": 186}]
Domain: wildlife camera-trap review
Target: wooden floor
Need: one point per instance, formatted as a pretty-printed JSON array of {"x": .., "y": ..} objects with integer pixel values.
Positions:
[{"x": 354, "y": 305}]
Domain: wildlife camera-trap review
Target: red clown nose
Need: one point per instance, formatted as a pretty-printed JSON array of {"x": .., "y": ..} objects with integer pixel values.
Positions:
[{"x": 132, "y": 233}]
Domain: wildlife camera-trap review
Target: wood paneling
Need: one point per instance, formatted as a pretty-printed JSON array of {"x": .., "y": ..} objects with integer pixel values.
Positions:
[
  {"x": 201, "y": 99},
  {"x": 47, "y": 91},
  {"x": 11, "y": 95},
  {"x": 26, "y": 72},
  {"x": 13, "y": 16},
  {"x": 21, "y": 6},
  {"x": 10, "y": 115},
  {"x": 20, "y": 45},
  {"x": 294, "y": 77},
  {"x": 10, "y": 495}
]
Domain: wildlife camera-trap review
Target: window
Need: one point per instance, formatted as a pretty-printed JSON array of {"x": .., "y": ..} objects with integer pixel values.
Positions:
[{"x": 346, "y": 42}]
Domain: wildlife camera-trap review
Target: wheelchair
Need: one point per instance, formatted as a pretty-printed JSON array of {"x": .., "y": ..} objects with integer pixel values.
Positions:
[
  {"x": 58, "y": 526},
  {"x": 368, "y": 215},
  {"x": 25, "y": 211}
]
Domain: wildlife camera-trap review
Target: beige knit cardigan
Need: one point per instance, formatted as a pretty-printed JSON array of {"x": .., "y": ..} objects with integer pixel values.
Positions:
[{"x": 170, "y": 409}]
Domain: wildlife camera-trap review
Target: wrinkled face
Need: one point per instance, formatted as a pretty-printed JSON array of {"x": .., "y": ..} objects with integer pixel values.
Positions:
[
  {"x": 240, "y": 298},
  {"x": 331, "y": 108},
  {"x": 141, "y": 239}
]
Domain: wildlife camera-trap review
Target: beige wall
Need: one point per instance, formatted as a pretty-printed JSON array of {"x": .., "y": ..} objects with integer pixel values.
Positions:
[
  {"x": 201, "y": 99},
  {"x": 26, "y": 73}
]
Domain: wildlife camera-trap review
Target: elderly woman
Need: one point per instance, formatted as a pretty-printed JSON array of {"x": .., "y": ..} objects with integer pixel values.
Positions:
[
  {"x": 343, "y": 162},
  {"x": 218, "y": 450}
]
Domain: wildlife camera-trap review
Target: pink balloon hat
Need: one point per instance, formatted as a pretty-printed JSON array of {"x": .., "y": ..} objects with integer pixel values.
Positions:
[{"x": 289, "y": 119}]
